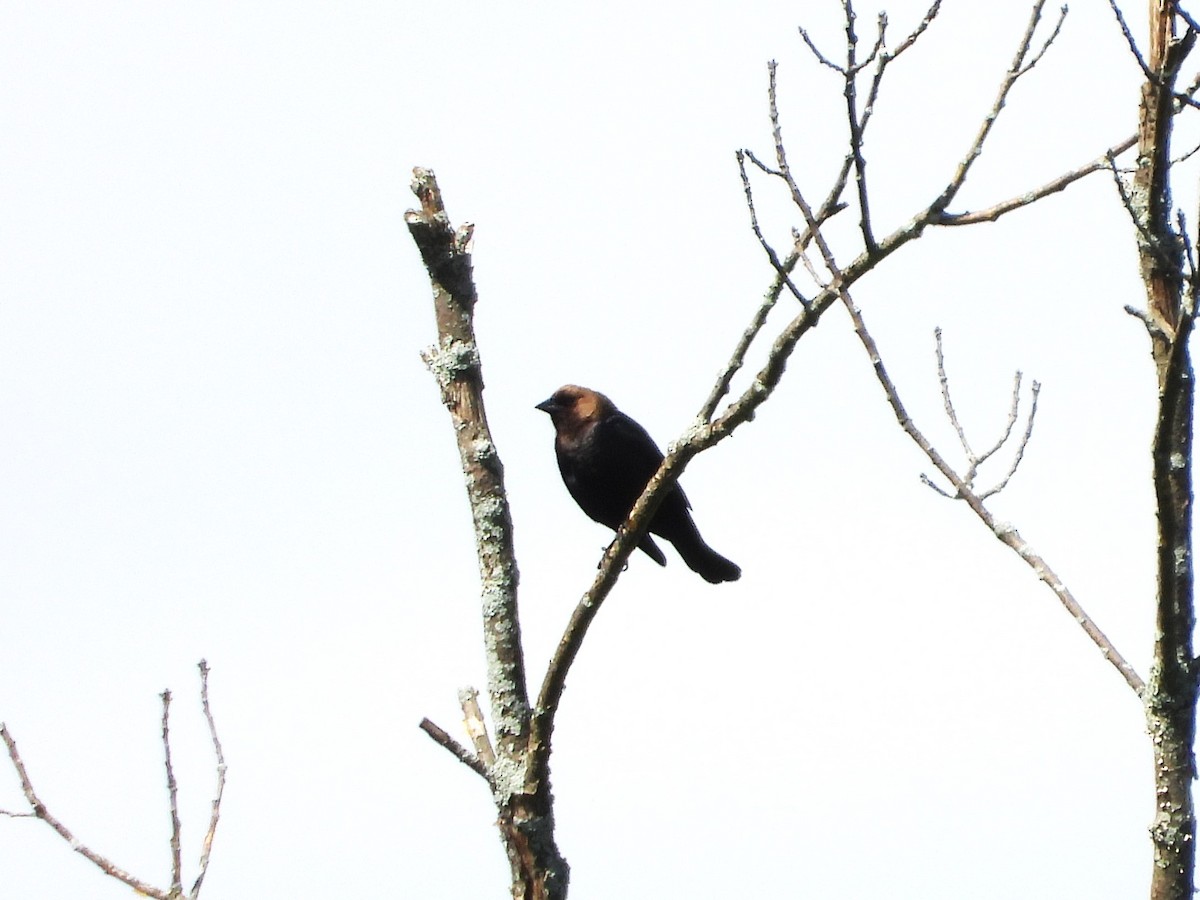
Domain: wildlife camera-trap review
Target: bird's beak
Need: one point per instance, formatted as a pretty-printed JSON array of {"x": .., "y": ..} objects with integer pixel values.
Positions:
[{"x": 546, "y": 406}]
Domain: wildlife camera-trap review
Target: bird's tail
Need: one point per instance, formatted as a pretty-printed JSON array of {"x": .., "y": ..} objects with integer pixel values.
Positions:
[
  {"x": 707, "y": 562},
  {"x": 652, "y": 550}
]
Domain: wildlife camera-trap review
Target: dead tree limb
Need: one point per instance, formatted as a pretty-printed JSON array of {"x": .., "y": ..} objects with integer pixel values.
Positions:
[
  {"x": 1170, "y": 698},
  {"x": 39, "y": 810}
]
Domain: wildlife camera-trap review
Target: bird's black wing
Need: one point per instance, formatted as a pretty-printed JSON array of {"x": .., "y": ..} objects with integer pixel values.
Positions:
[
  {"x": 608, "y": 470},
  {"x": 640, "y": 457}
]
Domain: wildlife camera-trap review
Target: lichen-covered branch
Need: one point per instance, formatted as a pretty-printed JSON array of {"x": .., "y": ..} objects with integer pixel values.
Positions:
[
  {"x": 523, "y": 802},
  {"x": 454, "y": 362},
  {"x": 1170, "y": 697}
]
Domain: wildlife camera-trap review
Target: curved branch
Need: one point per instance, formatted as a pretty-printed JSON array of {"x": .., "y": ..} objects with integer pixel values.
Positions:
[
  {"x": 1054, "y": 186},
  {"x": 1003, "y": 531},
  {"x": 219, "y": 793},
  {"x": 39, "y": 809}
]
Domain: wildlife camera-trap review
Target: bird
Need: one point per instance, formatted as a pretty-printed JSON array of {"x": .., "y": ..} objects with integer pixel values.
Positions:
[{"x": 606, "y": 460}]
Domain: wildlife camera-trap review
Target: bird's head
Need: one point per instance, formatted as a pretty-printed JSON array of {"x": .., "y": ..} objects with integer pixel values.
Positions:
[{"x": 572, "y": 407}]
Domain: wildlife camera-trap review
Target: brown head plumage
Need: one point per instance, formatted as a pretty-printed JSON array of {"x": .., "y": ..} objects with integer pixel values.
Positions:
[{"x": 575, "y": 410}]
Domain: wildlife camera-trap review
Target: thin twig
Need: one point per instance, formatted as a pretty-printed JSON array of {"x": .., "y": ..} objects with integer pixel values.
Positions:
[
  {"x": 885, "y": 59},
  {"x": 935, "y": 487},
  {"x": 1015, "y": 70},
  {"x": 951, "y": 413},
  {"x": 781, "y": 272},
  {"x": 173, "y": 798},
  {"x": 440, "y": 736},
  {"x": 800, "y": 242},
  {"x": 857, "y": 124},
  {"x": 1024, "y": 442},
  {"x": 1186, "y": 240},
  {"x": 749, "y": 154},
  {"x": 770, "y": 297},
  {"x": 1014, "y": 410},
  {"x": 881, "y": 23},
  {"x": 1148, "y": 239},
  {"x": 810, "y": 220},
  {"x": 820, "y": 57},
  {"x": 1129, "y": 39},
  {"x": 925, "y": 22},
  {"x": 975, "y": 460},
  {"x": 1037, "y": 57},
  {"x": 850, "y": 95},
  {"x": 215, "y": 816},
  {"x": 1185, "y": 15}
]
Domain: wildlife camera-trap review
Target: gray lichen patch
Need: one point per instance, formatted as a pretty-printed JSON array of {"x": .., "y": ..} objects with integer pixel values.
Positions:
[
  {"x": 491, "y": 519},
  {"x": 451, "y": 361}
]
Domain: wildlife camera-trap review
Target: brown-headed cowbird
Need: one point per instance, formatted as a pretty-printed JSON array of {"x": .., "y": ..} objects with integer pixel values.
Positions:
[{"x": 606, "y": 460}]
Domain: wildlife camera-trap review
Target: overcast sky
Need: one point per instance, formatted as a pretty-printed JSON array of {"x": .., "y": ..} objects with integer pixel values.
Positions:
[{"x": 218, "y": 441}]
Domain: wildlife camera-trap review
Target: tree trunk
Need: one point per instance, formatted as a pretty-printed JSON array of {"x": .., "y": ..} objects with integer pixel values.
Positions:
[{"x": 1170, "y": 695}]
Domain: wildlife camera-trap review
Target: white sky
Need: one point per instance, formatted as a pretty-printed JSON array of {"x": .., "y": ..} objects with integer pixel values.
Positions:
[{"x": 219, "y": 441}]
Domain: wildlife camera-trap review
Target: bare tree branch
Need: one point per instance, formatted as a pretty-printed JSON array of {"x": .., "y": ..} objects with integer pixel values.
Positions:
[
  {"x": 721, "y": 388},
  {"x": 173, "y": 799},
  {"x": 519, "y": 778},
  {"x": 1021, "y": 445},
  {"x": 462, "y": 753},
  {"x": 1037, "y": 57},
  {"x": 40, "y": 811},
  {"x": 992, "y": 213},
  {"x": 975, "y": 460},
  {"x": 1104, "y": 161},
  {"x": 818, "y": 55},
  {"x": 850, "y": 95},
  {"x": 1003, "y": 531},
  {"x": 781, "y": 273},
  {"x": 1014, "y": 410},
  {"x": 1129, "y": 39},
  {"x": 219, "y": 793},
  {"x": 455, "y": 364},
  {"x": 1016, "y": 69},
  {"x": 951, "y": 413},
  {"x": 810, "y": 219},
  {"x": 1185, "y": 15}
]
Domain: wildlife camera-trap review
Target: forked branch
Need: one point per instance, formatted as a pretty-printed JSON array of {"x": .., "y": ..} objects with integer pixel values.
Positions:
[
  {"x": 39, "y": 810},
  {"x": 1003, "y": 531},
  {"x": 974, "y": 459}
]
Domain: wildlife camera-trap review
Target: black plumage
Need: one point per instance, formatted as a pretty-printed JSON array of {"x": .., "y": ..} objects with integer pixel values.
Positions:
[{"x": 606, "y": 460}]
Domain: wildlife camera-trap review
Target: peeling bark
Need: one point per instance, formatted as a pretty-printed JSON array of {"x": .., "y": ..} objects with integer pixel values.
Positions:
[{"x": 1170, "y": 695}]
